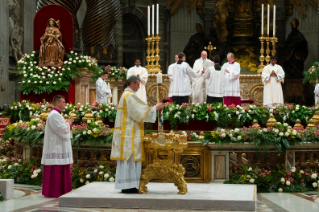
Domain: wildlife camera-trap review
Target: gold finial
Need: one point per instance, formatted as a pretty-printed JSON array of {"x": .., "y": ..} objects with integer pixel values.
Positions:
[
  {"x": 316, "y": 117},
  {"x": 311, "y": 124},
  {"x": 298, "y": 125},
  {"x": 88, "y": 116},
  {"x": 271, "y": 121},
  {"x": 73, "y": 114},
  {"x": 255, "y": 124},
  {"x": 201, "y": 135},
  {"x": 99, "y": 120}
]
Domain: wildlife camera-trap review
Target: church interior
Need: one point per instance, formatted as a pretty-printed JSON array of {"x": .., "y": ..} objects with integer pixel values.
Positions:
[{"x": 197, "y": 156}]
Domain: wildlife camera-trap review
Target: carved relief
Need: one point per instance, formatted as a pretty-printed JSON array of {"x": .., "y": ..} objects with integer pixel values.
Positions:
[{"x": 15, "y": 31}]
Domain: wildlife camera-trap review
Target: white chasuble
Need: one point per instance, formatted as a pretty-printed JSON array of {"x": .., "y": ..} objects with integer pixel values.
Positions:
[
  {"x": 57, "y": 149},
  {"x": 273, "y": 95},
  {"x": 232, "y": 79},
  {"x": 102, "y": 91},
  {"x": 143, "y": 74}
]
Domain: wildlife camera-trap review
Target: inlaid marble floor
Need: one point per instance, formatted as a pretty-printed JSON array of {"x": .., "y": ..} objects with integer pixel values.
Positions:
[{"x": 29, "y": 199}]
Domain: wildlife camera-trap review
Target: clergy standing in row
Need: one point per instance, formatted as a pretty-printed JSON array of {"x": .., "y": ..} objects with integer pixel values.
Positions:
[
  {"x": 169, "y": 73},
  {"x": 273, "y": 75},
  {"x": 182, "y": 74},
  {"x": 142, "y": 73},
  {"x": 232, "y": 72},
  {"x": 103, "y": 92},
  {"x": 215, "y": 77},
  {"x": 57, "y": 152},
  {"x": 128, "y": 136}
]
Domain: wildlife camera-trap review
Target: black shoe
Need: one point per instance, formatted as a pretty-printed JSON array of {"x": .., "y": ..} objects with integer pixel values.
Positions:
[{"x": 130, "y": 191}]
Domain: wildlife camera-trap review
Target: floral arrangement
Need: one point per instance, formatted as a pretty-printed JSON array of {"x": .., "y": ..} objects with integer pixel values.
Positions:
[
  {"x": 22, "y": 110},
  {"x": 6, "y": 148},
  {"x": 312, "y": 73},
  {"x": 116, "y": 73},
  {"x": 42, "y": 79},
  {"x": 280, "y": 180}
]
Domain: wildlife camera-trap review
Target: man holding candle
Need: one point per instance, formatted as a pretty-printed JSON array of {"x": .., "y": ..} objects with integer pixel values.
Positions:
[
  {"x": 182, "y": 73},
  {"x": 232, "y": 72},
  {"x": 140, "y": 72},
  {"x": 273, "y": 75}
]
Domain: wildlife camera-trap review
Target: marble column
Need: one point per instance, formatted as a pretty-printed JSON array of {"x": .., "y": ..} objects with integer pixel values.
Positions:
[
  {"x": 164, "y": 47},
  {"x": 29, "y": 11},
  {"x": 4, "y": 53},
  {"x": 80, "y": 16},
  {"x": 118, "y": 35}
]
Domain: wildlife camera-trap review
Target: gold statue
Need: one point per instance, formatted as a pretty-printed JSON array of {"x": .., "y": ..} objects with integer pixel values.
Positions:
[{"x": 51, "y": 49}]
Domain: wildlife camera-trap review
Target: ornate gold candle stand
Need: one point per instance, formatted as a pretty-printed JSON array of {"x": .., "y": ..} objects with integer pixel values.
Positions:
[
  {"x": 148, "y": 52},
  {"x": 273, "y": 40},
  {"x": 153, "y": 57},
  {"x": 152, "y": 67},
  {"x": 271, "y": 121},
  {"x": 164, "y": 168},
  {"x": 157, "y": 67},
  {"x": 262, "y": 57}
]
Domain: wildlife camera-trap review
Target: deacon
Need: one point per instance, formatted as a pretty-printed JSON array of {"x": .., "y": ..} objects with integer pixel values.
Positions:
[
  {"x": 231, "y": 92},
  {"x": 57, "y": 152},
  {"x": 199, "y": 84},
  {"x": 273, "y": 75},
  {"x": 140, "y": 72},
  {"x": 128, "y": 135},
  {"x": 169, "y": 73},
  {"x": 215, "y": 77},
  {"x": 103, "y": 92},
  {"x": 182, "y": 73}
]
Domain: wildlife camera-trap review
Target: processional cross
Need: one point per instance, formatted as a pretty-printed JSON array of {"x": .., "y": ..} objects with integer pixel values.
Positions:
[{"x": 210, "y": 48}]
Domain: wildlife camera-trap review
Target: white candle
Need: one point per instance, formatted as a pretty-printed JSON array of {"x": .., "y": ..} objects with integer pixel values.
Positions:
[
  {"x": 157, "y": 20},
  {"x": 274, "y": 22},
  {"x": 268, "y": 14},
  {"x": 148, "y": 20},
  {"x": 153, "y": 19},
  {"x": 159, "y": 78},
  {"x": 262, "y": 19}
]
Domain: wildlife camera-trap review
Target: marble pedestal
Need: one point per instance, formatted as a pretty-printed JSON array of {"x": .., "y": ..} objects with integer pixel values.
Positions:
[
  {"x": 163, "y": 196},
  {"x": 7, "y": 188}
]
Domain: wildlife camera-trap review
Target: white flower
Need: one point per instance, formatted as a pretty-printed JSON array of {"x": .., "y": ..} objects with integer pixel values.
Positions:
[
  {"x": 88, "y": 176},
  {"x": 301, "y": 172},
  {"x": 54, "y": 82},
  {"x": 315, "y": 185},
  {"x": 76, "y": 53},
  {"x": 239, "y": 137},
  {"x": 252, "y": 180},
  {"x": 100, "y": 173},
  {"x": 87, "y": 182},
  {"x": 19, "y": 161},
  {"x": 280, "y": 190},
  {"x": 94, "y": 129},
  {"x": 89, "y": 121},
  {"x": 71, "y": 52},
  {"x": 314, "y": 176},
  {"x": 281, "y": 134},
  {"x": 286, "y": 134},
  {"x": 248, "y": 176},
  {"x": 101, "y": 167},
  {"x": 282, "y": 180},
  {"x": 271, "y": 110},
  {"x": 29, "y": 81},
  {"x": 95, "y": 170},
  {"x": 223, "y": 135},
  {"x": 81, "y": 180},
  {"x": 288, "y": 183},
  {"x": 34, "y": 176},
  {"x": 89, "y": 132},
  {"x": 293, "y": 169},
  {"x": 294, "y": 132},
  {"x": 16, "y": 164},
  {"x": 10, "y": 167},
  {"x": 230, "y": 135},
  {"x": 111, "y": 179},
  {"x": 84, "y": 132},
  {"x": 249, "y": 169},
  {"x": 38, "y": 170},
  {"x": 33, "y": 127},
  {"x": 106, "y": 175},
  {"x": 236, "y": 130},
  {"x": 237, "y": 112}
]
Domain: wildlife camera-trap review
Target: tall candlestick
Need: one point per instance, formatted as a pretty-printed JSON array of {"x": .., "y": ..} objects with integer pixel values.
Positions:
[
  {"x": 157, "y": 19},
  {"x": 159, "y": 78},
  {"x": 262, "y": 19},
  {"x": 148, "y": 20},
  {"x": 274, "y": 22},
  {"x": 153, "y": 19},
  {"x": 268, "y": 14}
]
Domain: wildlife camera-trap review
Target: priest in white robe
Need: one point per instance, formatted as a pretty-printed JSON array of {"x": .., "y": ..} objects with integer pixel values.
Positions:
[
  {"x": 103, "y": 92},
  {"x": 273, "y": 75},
  {"x": 57, "y": 152},
  {"x": 142, "y": 73},
  {"x": 169, "y": 73},
  {"x": 128, "y": 134},
  {"x": 215, "y": 77},
  {"x": 182, "y": 74},
  {"x": 231, "y": 92},
  {"x": 199, "y": 85}
]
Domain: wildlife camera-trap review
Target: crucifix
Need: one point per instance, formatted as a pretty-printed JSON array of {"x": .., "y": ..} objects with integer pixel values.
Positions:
[{"x": 210, "y": 48}]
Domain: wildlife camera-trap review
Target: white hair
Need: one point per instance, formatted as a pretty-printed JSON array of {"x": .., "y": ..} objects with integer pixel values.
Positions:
[
  {"x": 202, "y": 52},
  {"x": 231, "y": 54}
]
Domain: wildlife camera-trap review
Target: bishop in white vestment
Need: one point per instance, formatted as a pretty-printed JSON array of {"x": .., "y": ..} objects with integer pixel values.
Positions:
[
  {"x": 103, "y": 92},
  {"x": 127, "y": 146},
  {"x": 142, "y": 73},
  {"x": 273, "y": 75},
  {"x": 231, "y": 92}
]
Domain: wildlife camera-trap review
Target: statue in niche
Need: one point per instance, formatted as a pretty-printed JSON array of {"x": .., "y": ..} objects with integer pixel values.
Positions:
[
  {"x": 295, "y": 51},
  {"x": 15, "y": 41},
  {"x": 51, "y": 49}
]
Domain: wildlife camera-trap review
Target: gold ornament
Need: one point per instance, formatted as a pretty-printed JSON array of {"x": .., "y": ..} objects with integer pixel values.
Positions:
[
  {"x": 99, "y": 120},
  {"x": 44, "y": 114},
  {"x": 164, "y": 168},
  {"x": 298, "y": 125},
  {"x": 88, "y": 116},
  {"x": 271, "y": 121},
  {"x": 255, "y": 124},
  {"x": 311, "y": 124},
  {"x": 316, "y": 117},
  {"x": 201, "y": 135},
  {"x": 73, "y": 114}
]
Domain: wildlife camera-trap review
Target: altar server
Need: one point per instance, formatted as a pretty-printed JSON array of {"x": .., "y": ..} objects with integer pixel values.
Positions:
[
  {"x": 215, "y": 77},
  {"x": 142, "y": 73},
  {"x": 169, "y": 73},
  {"x": 273, "y": 75},
  {"x": 182, "y": 73},
  {"x": 128, "y": 135},
  {"x": 231, "y": 92},
  {"x": 103, "y": 92},
  {"x": 57, "y": 152}
]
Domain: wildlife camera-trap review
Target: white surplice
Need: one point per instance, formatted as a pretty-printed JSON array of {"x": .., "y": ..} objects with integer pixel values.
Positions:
[
  {"x": 102, "y": 91},
  {"x": 128, "y": 134},
  {"x": 273, "y": 95},
  {"x": 142, "y": 72},
  {"x": 182, "y": 73},
  {"x": 216, "y": 82},
  {"x": 232, "y": 79},
  {"x": 169, "y": 74},
  {"x": 57, "y": 148}
]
